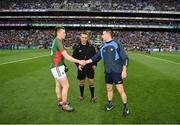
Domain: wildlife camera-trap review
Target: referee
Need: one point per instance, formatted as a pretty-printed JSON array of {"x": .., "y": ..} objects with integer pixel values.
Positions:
[{"x": 84, "y": 51}]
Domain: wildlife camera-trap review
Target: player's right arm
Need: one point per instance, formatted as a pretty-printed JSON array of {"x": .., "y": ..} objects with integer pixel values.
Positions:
[
  {"x": 94, "y": 53},
  {"x": 75, "y": 52},
  {"x": 70, "y": 58},
  {"x": 67, "y": 56}
]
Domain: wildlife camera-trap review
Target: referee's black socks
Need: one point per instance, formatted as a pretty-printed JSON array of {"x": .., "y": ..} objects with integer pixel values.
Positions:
[
  {"x": 81, "y": 90},
  {"x": 91, "y": 87}
]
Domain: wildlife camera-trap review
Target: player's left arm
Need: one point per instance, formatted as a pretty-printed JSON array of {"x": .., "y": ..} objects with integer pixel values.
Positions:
[
  {"x": 124, "y": 57},
  {"x": 124, "y": 72}
]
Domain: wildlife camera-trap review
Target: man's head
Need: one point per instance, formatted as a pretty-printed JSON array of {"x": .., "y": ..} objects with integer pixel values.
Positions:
[
  {"x": 60, "y": 32},
  {"x": 84, "y": 37},
  {"x": 107, "y": 35}
]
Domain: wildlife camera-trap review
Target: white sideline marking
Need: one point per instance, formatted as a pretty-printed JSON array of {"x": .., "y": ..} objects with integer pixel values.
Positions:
[
  {"x": 23, "y": 60},
  {"x": 160, "y": 59}
]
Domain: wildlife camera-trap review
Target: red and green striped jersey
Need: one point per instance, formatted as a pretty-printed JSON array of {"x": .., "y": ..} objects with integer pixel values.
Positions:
[{"x": 57, "y": 48}]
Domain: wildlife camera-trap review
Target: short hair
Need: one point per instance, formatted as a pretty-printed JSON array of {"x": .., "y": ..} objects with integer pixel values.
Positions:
[
  {"x": 109, "y": 31},
  {"x": 57, "y": 28},
  {"x": 85, "y": 33}
]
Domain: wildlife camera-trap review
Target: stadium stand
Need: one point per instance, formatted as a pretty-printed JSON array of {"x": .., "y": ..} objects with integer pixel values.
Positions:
[
  {"x": 152, "y": 5},
  {"x": 139, "y": 24}
]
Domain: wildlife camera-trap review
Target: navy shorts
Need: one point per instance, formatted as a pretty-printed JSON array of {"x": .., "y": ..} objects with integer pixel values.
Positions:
[{"x": 113, "y": 77}]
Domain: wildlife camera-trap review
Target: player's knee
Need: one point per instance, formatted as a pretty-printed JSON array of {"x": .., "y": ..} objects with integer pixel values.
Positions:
[
  {"x": 57, "y": 84},
  {"x": 109, "y": 89},
  {"x": 120, "y": 89},
  {"x": 122, "y": 92},
  {"x": 65, "y": 85}
]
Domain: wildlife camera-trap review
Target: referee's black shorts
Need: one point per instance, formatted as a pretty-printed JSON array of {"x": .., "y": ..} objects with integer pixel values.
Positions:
[{"x": 88, "y": 72}]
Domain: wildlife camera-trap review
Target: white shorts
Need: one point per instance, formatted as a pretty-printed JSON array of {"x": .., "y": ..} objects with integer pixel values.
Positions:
[{"x": 59, "y": 72}]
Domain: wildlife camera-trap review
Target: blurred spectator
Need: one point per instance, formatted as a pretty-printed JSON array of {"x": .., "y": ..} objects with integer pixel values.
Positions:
[{"x": 93, "y": 5}]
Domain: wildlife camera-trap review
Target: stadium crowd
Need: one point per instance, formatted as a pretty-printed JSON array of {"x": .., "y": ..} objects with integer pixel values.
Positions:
[
  {"x": 140, "y": 40},
  {"x": 93, "y": 22},
  {"x": 93, "y": 5},
  {"x": 20, "y": 39}
]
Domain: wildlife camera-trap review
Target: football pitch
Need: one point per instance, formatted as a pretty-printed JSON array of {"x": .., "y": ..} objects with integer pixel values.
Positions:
[{"x": 27, "y": 90}]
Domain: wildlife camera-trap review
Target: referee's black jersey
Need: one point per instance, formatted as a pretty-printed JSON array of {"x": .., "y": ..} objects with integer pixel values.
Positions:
[{"x": 84, "y": 52}]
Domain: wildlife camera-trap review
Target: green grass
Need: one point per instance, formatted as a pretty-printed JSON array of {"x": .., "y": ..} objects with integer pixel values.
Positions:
[
  {"x": 27, "y": 91},
  {"x": 8, "y": 56},
  {"x": 168, "y": 56}
]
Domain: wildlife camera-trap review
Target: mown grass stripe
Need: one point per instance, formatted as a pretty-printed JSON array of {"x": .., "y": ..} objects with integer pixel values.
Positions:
[
  {"x": 160, "y": 59},
  {"x": 23, "y": 59}
]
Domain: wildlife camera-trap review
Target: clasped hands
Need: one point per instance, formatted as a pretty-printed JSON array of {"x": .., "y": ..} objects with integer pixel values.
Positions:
[{"x": 82, "y": 62}]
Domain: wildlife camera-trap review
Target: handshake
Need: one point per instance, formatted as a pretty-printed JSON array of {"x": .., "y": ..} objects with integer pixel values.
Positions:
[{"x": 83, "y": 62}]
